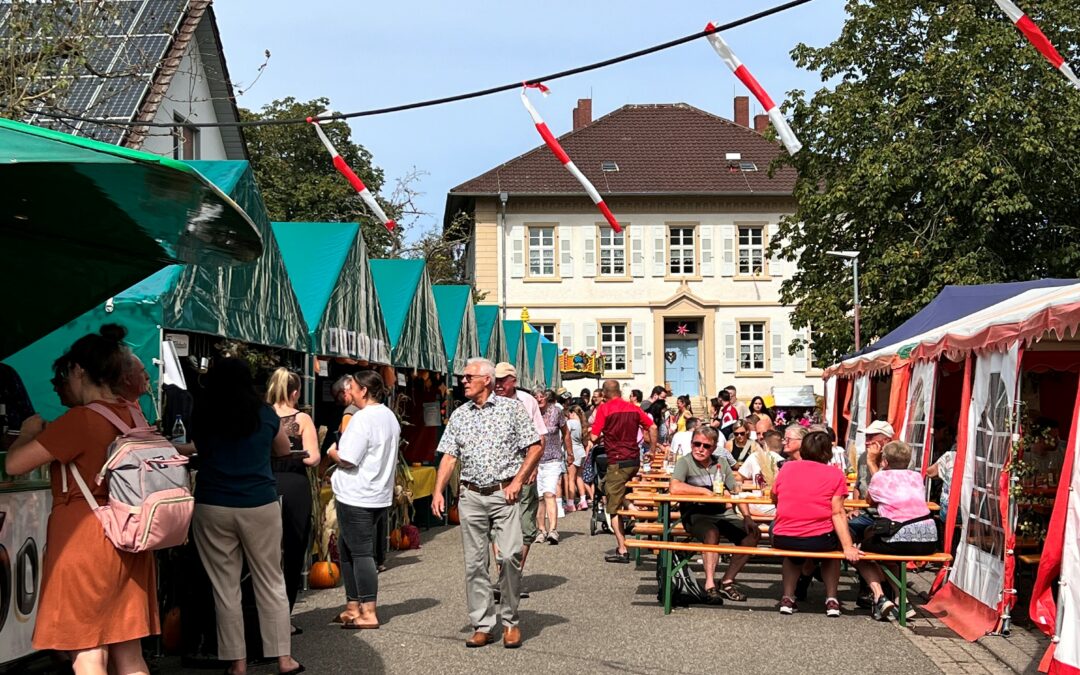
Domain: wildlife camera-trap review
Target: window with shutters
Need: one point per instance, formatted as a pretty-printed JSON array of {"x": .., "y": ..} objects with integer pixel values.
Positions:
[
  {"x": 682, "y": 258},
  {"x": 541, "y": 241},
  {"x": 612, "y": 252},
  {"x": 548, "y": 330},
  {"x": 752, "y": 346},
  {"x": 613, "y": 345},
  {"x": 751, "y": 250}
]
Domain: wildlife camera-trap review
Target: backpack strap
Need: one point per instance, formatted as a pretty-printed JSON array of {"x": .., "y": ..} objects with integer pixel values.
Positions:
[
  {"x": 89, "y": 496},
  {"x": 111, "y": 417}
]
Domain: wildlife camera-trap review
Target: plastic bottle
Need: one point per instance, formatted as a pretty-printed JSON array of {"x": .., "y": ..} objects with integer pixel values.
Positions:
[{"x": 179, "y": 431}]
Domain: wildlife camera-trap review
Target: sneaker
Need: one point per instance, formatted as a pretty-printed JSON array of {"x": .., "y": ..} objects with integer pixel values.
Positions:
[
  {"x": 582, "y": 505},
  {"x": 553, "y": 538},
  {"x": 561, "y": 510},
  {"x": 832, "y": 607},
  {"x": 865, "y": 601},
  {"x": 802, "y": 586},
  {"x": 883, "y": 609},
  {"x": 569, "y": 508},
  {"x": 788, "y": 606}
]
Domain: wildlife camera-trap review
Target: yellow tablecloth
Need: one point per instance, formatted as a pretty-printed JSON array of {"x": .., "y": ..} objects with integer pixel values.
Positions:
[{"x": 423, "y": 481}]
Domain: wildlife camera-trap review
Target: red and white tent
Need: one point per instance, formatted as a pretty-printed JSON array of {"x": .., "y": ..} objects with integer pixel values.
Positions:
[{"x": 1033, "y": 329}]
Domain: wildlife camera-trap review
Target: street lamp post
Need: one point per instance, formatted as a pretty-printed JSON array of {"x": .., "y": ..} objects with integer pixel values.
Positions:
[{"x": 853, "y": 258}]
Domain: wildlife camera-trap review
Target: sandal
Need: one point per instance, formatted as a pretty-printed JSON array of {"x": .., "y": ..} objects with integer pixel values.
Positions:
[
  {"x": 713, "y": 596},
  {"x": 617, "y": 557},
  {"x": 354, "y": 625},
  {"x": 729, "y": 591}
]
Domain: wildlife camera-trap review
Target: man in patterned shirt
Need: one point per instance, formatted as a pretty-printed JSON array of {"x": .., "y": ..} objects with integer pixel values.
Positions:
[{"x": 497, "y": 445}]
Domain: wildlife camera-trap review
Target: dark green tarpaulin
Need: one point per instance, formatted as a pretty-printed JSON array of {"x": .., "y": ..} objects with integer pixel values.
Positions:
[
  {"x": 550, "y": 355},
  {"x": 328, "y": 267},
  {"x": 253, "y": 302},
  {"x": 536, "y": 359},
  {"x": 404, "y": 291},
  {"x": 80, "y": 221},
  {"x": 489, "y": 328},
  {"x": 457, "y": 321},
  {"x": 515, "y": 347}
]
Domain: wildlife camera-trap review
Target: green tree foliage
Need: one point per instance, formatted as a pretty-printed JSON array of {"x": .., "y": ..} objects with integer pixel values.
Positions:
[
  {"x": 298, "y": 181},
  {"x": 944, "y": 148}
]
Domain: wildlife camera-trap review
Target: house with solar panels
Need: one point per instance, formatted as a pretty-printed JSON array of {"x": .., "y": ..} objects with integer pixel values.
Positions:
[
  {"x": 157, "y": 61},
  {"x": 686, "y": 295}
]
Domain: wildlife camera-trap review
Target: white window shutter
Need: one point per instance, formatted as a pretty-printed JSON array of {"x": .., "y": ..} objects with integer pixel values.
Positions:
[
  {"x": 708, "y": 268},
  {"x": 659, "y": 236},
  {"x": 588, "y": 332},
  {"x": 776, "y": 264},
  {"x": 801, "y": 361},
  {"x": 637, "y": 253},
  {"x": 728, "y": 332},
  {"x": 517, "y": 252},
  {"x": 777, "y": 351},
  {"x": 566, "y": 257},
  {"x": 638, "y": 361},
  {"x": 588, "y": 266},
  {"x": 727, "y": 245},
  {"x": 566, "y": 336}
]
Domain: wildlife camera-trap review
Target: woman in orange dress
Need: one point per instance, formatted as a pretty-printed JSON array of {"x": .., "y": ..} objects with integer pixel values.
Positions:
[{"x": 97, "y": 602}]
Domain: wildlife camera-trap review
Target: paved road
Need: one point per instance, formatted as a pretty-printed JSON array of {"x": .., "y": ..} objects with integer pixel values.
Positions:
[{"x": 587, "y": 616}]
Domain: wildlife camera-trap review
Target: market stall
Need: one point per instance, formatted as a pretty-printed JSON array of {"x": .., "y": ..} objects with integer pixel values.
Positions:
[
  {"x": 1017, "y": 391},
  {"x": 124, "y": 216},
  {"x": 549, "y": 352},
  {"x": 457, "y": 321},
  {"x": 514, "y": 330},
  {"x": 490, "y": 336}
]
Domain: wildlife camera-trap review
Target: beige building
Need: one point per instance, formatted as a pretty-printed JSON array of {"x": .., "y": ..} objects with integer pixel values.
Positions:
[{"x": 686, "y": 294}]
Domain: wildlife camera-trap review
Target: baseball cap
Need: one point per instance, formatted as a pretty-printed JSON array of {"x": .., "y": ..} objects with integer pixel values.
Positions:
[
  {"x": 880, "y": 427},
  {"x": 504, "y": 369}
]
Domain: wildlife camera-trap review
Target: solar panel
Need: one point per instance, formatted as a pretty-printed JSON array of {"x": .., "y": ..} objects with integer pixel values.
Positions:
[
  {"x": 144, "y": 53},
  {"x": 159, "y": 16},
  {"x": 121, "y": 97},
  {"x": 80, "y": 95}
]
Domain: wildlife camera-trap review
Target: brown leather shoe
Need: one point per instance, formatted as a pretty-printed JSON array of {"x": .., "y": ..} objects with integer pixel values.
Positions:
[
  {"x": 511, "y": 637},
  {"x": 479, "y": 639}
]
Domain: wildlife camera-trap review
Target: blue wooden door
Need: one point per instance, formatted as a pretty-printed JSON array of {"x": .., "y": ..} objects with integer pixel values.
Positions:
[{"x": 681, "y": 367}]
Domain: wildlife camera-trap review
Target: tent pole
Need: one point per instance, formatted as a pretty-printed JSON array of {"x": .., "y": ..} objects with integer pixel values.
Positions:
[{"x": 309, "y": 383}]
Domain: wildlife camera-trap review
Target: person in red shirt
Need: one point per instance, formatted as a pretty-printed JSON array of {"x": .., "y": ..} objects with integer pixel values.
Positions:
[{"x": 618, "y": 422}]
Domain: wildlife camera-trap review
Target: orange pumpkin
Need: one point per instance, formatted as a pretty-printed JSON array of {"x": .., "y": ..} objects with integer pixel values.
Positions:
[
  {"x": 395, "y": 539},
  {"x": 404, "y": 543},
  {"x": 324, "y": 574},
  {"x": 171, "y": 631},
  {"x": 452, "y": 515}
]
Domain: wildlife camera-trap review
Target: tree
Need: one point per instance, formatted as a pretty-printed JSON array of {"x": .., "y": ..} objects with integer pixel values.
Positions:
[
  {"x": 298, "y": 182},
  {"x": 947, "y": 152}
]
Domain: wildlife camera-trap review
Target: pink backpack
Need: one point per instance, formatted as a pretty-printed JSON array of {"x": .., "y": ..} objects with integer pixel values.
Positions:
[{"x": 150, "y": 503}]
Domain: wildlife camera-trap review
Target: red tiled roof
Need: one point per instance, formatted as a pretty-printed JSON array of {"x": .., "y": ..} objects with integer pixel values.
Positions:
[{"x": 670, "y": 148}]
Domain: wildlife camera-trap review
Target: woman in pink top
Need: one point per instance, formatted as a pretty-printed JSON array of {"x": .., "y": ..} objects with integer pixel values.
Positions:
[
  {"x": 809, "y": 496},
  {"x": 900, "y": 496}
]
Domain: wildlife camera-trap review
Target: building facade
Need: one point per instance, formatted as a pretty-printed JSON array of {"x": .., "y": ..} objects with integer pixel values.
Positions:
[{"x": 686, "y": 295}]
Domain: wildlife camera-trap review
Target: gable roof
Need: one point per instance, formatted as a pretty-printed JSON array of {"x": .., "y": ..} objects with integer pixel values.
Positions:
[
  {"x": 403, "y": 288},
  {"x": 457, "y": 321},
  {"x": 671, "y": 148},
  {"x": 489, "y": 328}
]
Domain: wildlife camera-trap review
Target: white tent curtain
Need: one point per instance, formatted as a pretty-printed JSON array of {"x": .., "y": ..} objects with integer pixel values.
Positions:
[
  {"x": 920, "y": 403},
  {"x": 830, "y": 401},
  {"x": 1068, "y": 623},
  {"x": 979, "y": 569}
]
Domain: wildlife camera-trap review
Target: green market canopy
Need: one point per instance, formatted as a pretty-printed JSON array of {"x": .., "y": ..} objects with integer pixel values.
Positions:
[
  {"x": 550, "y": 355},
  {"x": 457, "y": 321},
  {"x": 408, "y": 306},
  {"x": 492, "y": 338},
  {"x": 328, "y": 266},
  {"x": 82, "y": 220},
  {"x": 515, "y": 348},
  {"x": 536, "y": 358},
  {"x": 252, "y": 302}
]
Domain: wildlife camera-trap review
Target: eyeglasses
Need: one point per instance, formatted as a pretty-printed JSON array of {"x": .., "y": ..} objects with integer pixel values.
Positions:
[
  {"x": 469, "y": 378},
  {"x": 788, "y": 439},
  {"x": 699, "y": 444}
]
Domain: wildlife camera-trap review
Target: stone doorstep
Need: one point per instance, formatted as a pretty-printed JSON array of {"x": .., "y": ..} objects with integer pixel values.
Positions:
[{"x": 1020, "y": 652}]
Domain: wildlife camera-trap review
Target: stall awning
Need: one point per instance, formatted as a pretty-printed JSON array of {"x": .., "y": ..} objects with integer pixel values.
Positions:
[
  {"x": 535, "y": 356},
  {"x": 490, "y": 335},
  {"x": 83, "y": 220},
  {"x": 404, "y": 292},
  {"x": 457, "y": 321},
  {"x": 328, "y": 266},
  {"x": 515, "y": 347},
  {"x": 550, "y": 354}
]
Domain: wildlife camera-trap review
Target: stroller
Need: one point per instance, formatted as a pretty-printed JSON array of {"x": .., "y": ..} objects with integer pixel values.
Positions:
[{"x": 595, "y": 470}]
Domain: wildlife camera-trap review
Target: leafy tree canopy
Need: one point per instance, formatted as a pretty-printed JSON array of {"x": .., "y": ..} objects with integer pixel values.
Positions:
[{"x": 946, "y": 152}]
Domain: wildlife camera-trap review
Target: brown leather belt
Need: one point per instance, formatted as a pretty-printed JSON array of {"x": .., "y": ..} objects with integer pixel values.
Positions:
[{"x": 485, "y": 491}]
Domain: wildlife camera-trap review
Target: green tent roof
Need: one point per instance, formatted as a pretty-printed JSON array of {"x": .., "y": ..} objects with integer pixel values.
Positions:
[
  {"x": 550, "y": 354},
  {"x": 515, "y": 348},
  {"x": 82, "y": 220},
  {"x": 328, "y": 267},
  {"x": 252, "y": 302},
  {"x": 491, "y": 337},
  {"x": 457, "y": 321},
  {"x": 536, "y": 358},
  {"x": 404, "y": 292}
]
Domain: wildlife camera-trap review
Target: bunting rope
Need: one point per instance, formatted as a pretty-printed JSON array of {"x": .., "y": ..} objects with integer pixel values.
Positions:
[
  {"x": 350, "y": 175},
  {"x": 1038, "y": 39},
  {"x": 560, "y": 154}
]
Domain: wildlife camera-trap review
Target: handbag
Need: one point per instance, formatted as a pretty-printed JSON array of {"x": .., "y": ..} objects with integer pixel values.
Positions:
[{"x": 886, "y": 528}]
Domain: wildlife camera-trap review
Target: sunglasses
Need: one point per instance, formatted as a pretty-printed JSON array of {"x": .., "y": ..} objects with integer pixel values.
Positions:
[
  {"x": 738, "y": 433},
  {"x": 469, "y": 378},
  {"x": 699, "y": 444}
]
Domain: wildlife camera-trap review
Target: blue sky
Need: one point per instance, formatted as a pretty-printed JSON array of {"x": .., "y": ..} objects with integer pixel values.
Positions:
[{"x": 372, "y": 54}]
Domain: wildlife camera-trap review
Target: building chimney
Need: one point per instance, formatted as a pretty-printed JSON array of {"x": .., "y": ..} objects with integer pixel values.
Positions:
[
  {"x": 742, "y": 111},
  {"x": 582, "y": 113},
  {"x": 761, "y": 123}
]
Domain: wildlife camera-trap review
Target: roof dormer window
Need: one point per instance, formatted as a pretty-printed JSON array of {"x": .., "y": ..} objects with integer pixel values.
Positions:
[{"x": 609, "y": 166}]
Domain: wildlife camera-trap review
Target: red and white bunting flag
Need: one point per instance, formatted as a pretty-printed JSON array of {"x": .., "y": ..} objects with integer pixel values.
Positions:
[
  {"x": 350, "y": 175},
  {"x": 557, "y": 149},
  {"x": 1035, "y": 35},
  {"x": 783, "y": 129}
]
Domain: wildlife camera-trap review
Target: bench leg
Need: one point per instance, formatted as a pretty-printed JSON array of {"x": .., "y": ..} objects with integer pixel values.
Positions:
[
  {"x": 665, "y": 557},
  {"x": 902, "y": 589}
]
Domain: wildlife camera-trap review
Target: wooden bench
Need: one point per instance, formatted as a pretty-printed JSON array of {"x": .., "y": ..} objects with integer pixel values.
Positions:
[
  {"x": 669, "y": 547},
  {"x": 1030, "y": 558}
]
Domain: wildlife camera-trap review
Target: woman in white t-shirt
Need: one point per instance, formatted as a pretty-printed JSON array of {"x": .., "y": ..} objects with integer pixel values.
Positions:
[{"x": 364, "y": 490}]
